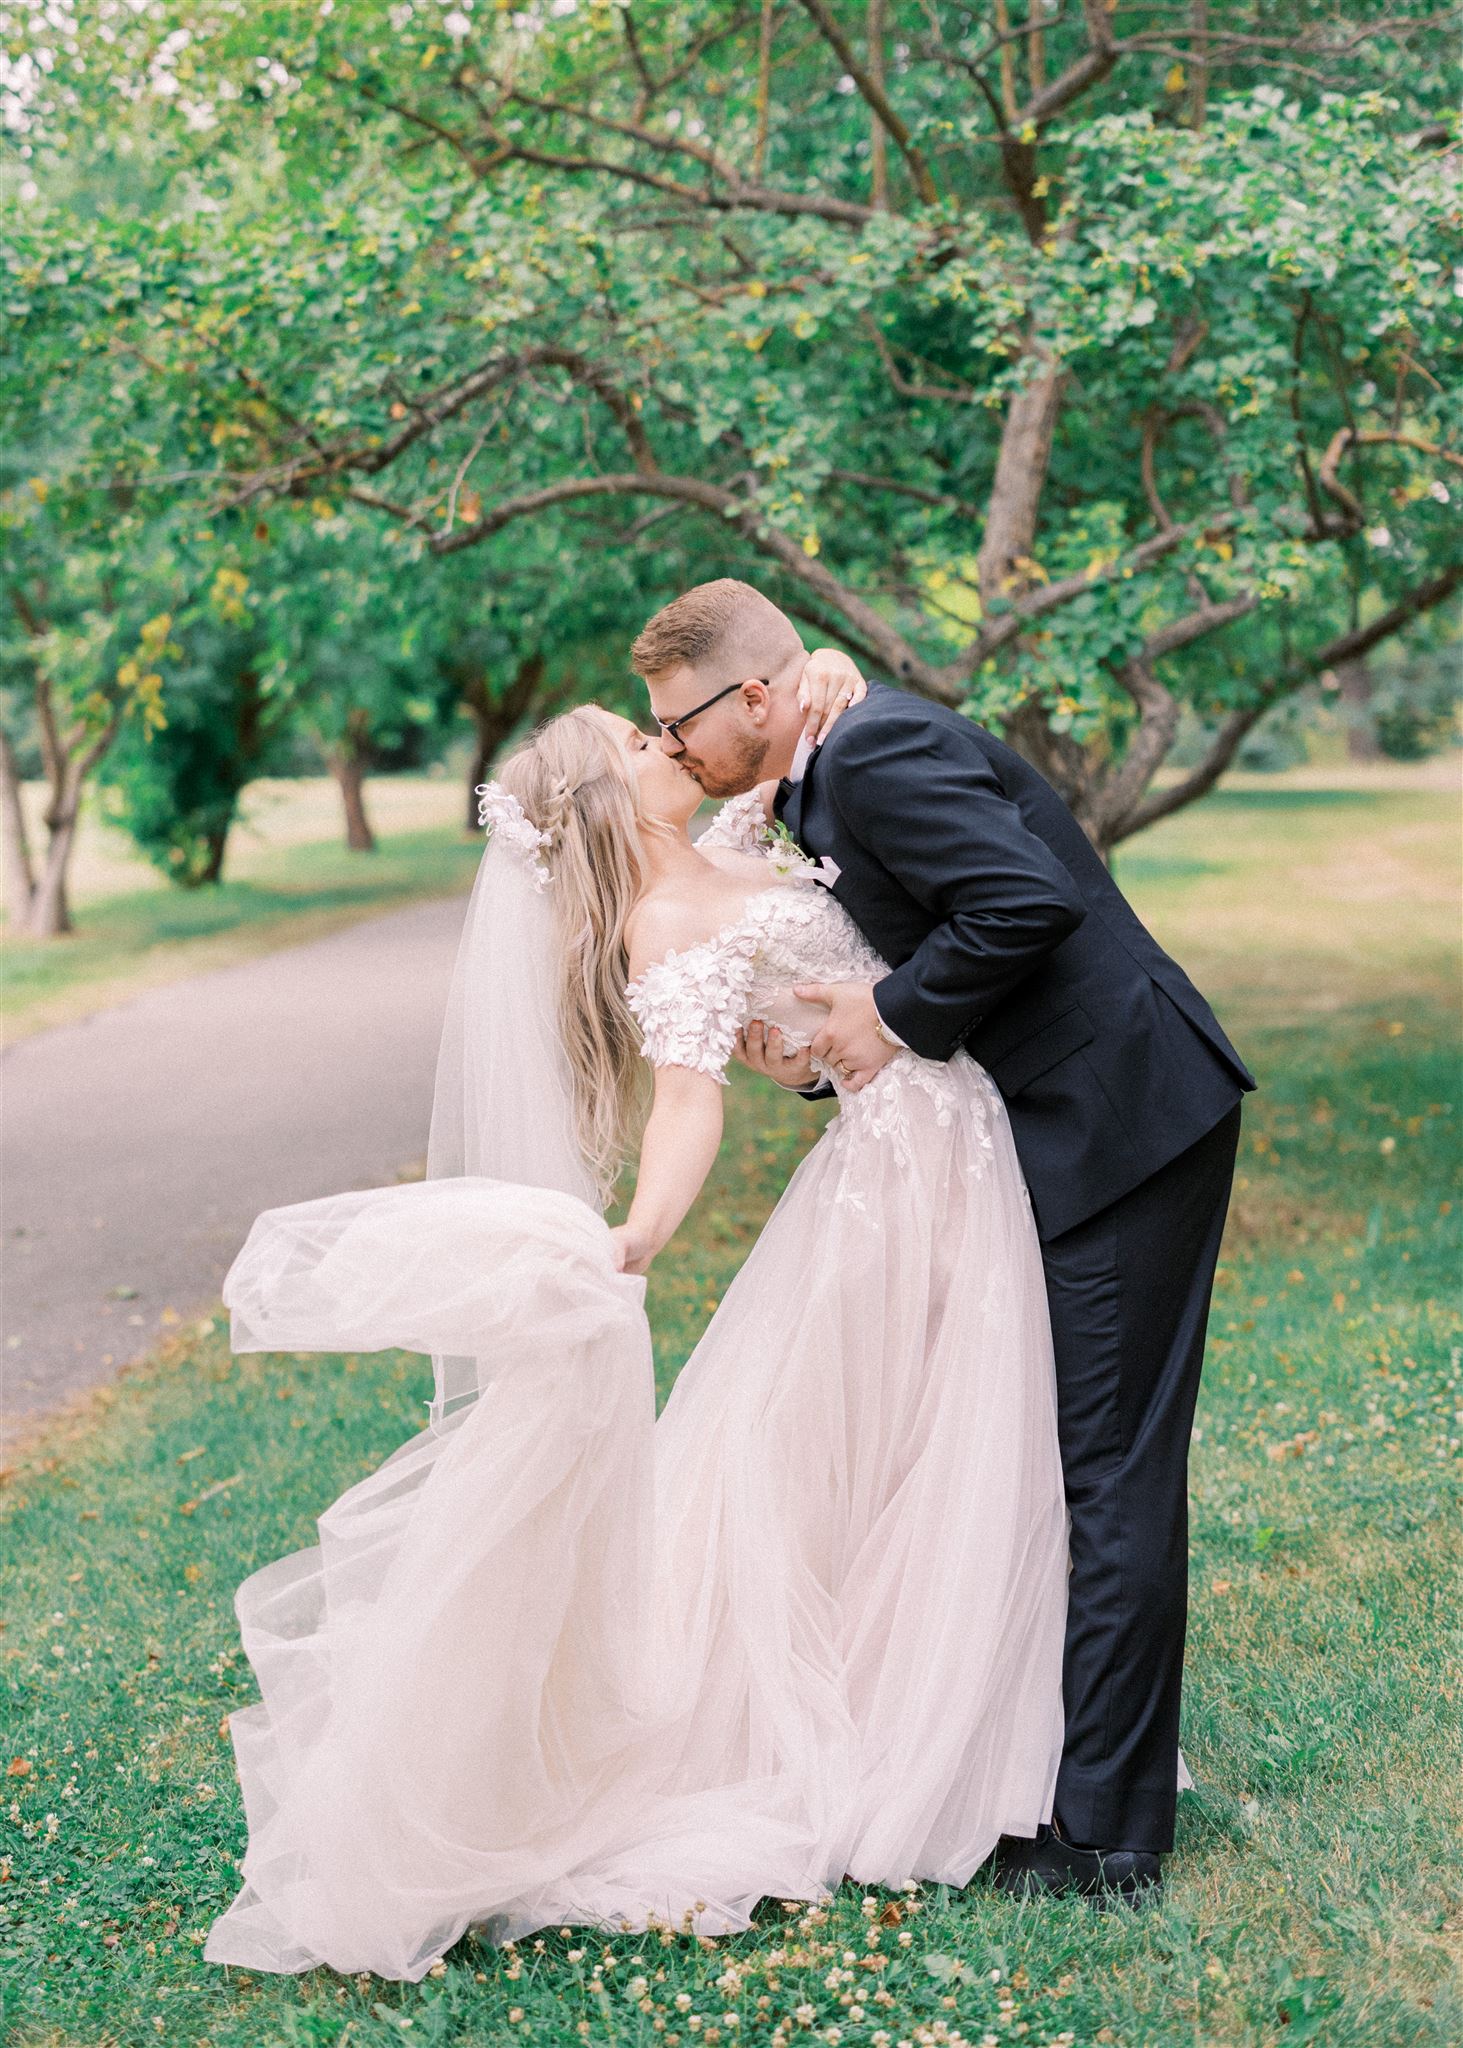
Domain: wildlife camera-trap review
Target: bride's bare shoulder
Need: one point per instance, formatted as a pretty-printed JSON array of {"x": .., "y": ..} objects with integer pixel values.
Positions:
[{"x": 668, "y": 921}]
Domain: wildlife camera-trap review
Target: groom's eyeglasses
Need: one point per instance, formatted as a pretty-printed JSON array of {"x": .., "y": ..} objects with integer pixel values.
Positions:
[{"x": 673, "y": 725}]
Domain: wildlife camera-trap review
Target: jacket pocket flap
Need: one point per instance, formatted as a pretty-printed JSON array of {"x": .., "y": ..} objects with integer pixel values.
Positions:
[{"x": 1042, "y": 1049}]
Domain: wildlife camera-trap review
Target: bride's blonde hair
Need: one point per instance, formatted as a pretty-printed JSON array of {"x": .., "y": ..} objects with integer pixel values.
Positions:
[{"x": 570, "y": 778}]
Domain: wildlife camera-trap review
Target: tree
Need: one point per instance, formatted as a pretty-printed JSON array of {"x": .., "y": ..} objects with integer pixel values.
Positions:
[
  {"x": 176, "y": 791},
  {"x": 1069, "y": 368},
  {"x": 84, "y": 654}
]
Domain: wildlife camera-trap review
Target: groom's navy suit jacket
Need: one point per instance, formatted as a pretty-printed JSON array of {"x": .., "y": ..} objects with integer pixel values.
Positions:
[{"x": 1008, "y": 936}]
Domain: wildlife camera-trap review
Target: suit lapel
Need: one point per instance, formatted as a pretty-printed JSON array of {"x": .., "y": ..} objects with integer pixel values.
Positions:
[{"x": 788, "y": 804}]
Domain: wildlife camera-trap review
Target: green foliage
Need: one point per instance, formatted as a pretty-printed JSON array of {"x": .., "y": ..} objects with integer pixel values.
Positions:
[
  {"x": 1415, "y": 708},
  {"x": 525, "y": 290},
  {"x": 176, "y": 791}
]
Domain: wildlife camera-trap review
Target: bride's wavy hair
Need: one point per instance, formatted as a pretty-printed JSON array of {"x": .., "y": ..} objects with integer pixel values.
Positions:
[{"x": 570, "y": 778}]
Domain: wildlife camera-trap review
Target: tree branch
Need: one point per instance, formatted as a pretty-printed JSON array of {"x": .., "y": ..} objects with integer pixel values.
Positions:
[
  {"x": 874, "y": 93},
  {"x": 1345, "y": 647},
  {"x": 874, "y": 633}
]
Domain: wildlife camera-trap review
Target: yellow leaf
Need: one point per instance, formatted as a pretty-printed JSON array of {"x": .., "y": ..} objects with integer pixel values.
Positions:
[
  {"x": 40, "y": 489},
  {"x": 1175, "y": 80},
  {"x": 756, "y": 342},
  {"x": 756, "y": 289},
  {"x": 804, "y": 325},
  {"x": 811, "y": 544},
  {"x": 1040, "y": 189},
  {"x": 1224, "y": 549},
  {"x": 430, "y": 55},
  {"x": 1028, "y": 132}
]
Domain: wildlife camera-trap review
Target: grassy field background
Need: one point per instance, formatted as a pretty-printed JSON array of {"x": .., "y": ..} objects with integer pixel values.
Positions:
[{"x": 1316, "y": 1894}]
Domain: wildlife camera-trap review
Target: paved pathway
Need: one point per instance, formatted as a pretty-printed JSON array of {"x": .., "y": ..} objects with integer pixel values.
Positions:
[{"x": 139, "y": 1145}]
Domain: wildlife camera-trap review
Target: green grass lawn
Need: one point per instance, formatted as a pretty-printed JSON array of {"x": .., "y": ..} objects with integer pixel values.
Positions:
[{"x": 1315, "y": 1896}]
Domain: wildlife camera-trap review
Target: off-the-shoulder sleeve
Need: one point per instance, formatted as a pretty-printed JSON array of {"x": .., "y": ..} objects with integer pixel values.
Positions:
[
  {"x": 740, "y": 824},
  {"x": 690, "y": 1006}
]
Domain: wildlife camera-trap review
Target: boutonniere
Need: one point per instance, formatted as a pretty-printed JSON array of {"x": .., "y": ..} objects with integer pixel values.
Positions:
[{"x": 790, "y": 859}]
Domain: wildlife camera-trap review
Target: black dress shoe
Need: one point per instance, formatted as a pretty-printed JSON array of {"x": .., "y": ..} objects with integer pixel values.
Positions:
[{"x": 1050, "y": 1866}]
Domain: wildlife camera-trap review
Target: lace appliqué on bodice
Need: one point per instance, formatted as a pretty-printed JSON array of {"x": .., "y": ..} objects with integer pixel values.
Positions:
[
  {"x": 691, "y": 1004},
  {"x": 740, "y": 824}
]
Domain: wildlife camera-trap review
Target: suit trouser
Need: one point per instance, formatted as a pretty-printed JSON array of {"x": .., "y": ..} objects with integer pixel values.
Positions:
[{"x": 1129, "y": 1292}]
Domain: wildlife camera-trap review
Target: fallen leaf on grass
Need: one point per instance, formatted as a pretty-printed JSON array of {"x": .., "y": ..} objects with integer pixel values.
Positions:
[{"x": 219, "y": 1486}]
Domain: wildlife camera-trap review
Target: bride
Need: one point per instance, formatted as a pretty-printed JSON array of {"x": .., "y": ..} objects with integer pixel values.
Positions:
[{"x": 560, "y": 1661}]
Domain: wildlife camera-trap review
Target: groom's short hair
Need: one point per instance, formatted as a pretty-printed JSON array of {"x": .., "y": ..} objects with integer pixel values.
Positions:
[{"x": 724, "y": 630}]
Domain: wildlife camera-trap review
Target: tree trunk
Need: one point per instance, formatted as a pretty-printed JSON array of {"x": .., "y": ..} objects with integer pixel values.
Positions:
[
  {"x": 213, "y": 867},
  {"x": 50, "y": 910},
  {"x": 483, "y": 752},
  {"x": 14, "y": 844},
  {"x": 1003, "y": 565},
  {"x": 494, "y": 719},
  {"x": 348, "y": 763},
  {"x": 1355, "y": 680},
  {"x": 1015, "y": 501},
  {"x": 350, "y": 774}
]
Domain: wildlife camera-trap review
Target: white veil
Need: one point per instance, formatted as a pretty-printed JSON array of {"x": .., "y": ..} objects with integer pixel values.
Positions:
[
  {"x": 503, "y": 1104},
  {"x": 404, "y": 1266}
]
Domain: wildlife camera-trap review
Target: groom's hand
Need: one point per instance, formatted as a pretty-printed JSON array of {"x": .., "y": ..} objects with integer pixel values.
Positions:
[
  {"x": 760, "y": 1047},
  {"x": 850, "y": 1041}
]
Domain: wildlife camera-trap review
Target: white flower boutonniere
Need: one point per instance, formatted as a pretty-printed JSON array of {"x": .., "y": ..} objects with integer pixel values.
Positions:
[{"x": 791, "y": 859}]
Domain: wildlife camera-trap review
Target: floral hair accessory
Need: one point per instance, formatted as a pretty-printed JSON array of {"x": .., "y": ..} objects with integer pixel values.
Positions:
[{"x": 503, "y": 818}]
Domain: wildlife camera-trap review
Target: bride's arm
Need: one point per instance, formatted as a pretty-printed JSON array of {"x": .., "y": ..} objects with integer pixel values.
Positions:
[{"x": 682, "y": 1135}]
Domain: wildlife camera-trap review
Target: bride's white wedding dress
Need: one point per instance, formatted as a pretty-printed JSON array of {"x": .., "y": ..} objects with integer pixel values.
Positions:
[{"x": 557, "y": 1661}]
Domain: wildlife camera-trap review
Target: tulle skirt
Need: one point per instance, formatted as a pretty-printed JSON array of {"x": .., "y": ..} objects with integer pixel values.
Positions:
[{"x": 560, "y": 1661}]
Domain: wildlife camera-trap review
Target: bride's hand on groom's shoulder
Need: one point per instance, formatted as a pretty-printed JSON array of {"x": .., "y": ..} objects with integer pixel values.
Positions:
[{"x": 830, "y": 685}]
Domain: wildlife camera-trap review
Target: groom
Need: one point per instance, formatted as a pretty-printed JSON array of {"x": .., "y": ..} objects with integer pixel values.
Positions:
[{"x": 1006, "y": 935}]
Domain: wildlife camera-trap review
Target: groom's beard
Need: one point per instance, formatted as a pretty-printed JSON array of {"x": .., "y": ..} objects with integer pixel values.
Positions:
[{"x": 739, "y": 769}]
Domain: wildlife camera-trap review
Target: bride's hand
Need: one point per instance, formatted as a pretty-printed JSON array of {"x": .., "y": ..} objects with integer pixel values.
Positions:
[
  {"x": 830, "y": 684},
  {"x": 759, "y": 1046},
  {"x": 633, "y": 1250}
]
